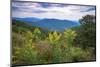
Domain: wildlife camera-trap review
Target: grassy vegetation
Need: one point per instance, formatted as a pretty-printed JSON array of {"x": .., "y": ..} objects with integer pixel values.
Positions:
[{"x": 31, "y": 45}]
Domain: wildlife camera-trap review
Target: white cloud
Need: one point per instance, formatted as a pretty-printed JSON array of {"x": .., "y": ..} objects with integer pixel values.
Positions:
[{"x": 71, "y": 12}]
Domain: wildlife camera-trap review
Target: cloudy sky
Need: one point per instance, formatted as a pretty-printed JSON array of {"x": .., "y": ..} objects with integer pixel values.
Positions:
[{"x": 48, "y": 10}]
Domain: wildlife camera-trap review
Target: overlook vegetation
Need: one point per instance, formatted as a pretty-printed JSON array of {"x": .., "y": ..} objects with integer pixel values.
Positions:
[{"x": 34, "y": 45}]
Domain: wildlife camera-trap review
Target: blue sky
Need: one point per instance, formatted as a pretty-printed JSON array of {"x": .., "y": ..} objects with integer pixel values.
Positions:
[{"x": 48, "y": 10}]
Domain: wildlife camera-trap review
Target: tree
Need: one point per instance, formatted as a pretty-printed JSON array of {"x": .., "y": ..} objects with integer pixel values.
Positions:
[
  {"x": 88, "y": 19},
  {"x": 86, "y": 37}
]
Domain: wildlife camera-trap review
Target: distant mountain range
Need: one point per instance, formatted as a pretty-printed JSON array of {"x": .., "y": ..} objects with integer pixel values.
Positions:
[
  {"x": 31, "y": 19},
  {"x": 51, "y": 24}
]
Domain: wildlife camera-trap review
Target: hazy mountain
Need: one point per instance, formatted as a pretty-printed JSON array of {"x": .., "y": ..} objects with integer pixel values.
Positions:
[
  {"x": 51, "y": 24},
  {"x": 30, "y": 19}
]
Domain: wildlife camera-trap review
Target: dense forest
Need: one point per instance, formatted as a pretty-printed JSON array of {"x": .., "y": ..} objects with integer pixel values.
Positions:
[{"x": 35, "y": 45}]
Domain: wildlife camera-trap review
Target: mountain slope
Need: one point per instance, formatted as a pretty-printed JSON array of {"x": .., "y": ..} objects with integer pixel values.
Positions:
[
  {"x": 55, "y": 24},
  {"x": 51, "y": 24},
  {"x": 30, "y": 19}
]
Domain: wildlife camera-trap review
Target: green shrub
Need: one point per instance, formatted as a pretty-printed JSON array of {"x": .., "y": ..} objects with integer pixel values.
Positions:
[
  {"x": 54, "y": 37},
  {"x": 75, "y": 54},
  {"x": 25, "y": 55},
  {"x": 69, "y": 36},
  {"x": 18, "y": 40},
  {"x": 37, "y": 35}
]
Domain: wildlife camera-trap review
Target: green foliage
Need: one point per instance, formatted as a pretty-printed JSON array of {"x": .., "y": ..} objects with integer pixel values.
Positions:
[
  {"x": 86, "y": 33},
  {"x": 69, "y": 36},
  {"x": 54, "y": 40},
  {"x": 37, "y": 34},
  {"x": 25, "y": 55},
  {"x": 32, "y": 45},
  {"x": 57, "y": 54},
  {"x": 88, "y": 19},
  {"x": 21, "y": 27},
  {"x": 54, "y": 37},
  {"x": 75, "y": 54},
  {"x": 18, "y": 40}
]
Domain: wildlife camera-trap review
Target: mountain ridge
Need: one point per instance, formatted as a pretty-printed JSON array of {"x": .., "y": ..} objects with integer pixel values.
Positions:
[{"x": 52, "y": 24}]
